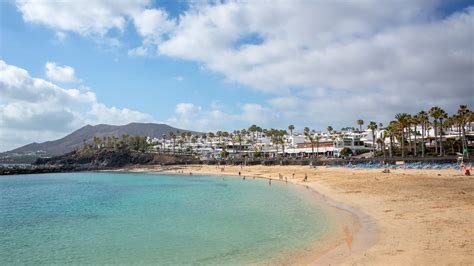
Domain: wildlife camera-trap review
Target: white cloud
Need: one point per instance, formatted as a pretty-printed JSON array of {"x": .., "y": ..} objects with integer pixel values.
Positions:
[
  {"x": 152, "y": 23},
  {"x": 86, "y": 18},
  {"x": 340, "y": 45},
  {"x": 334, "y": 61},
  {"x": 32, "y": 109},
  {"x": 318, "y": 61},
  {"x": 102, "y": 114},
  {"x": 187, "y": 109},
  {"x": 138, "y": 51},
  {"x": 191, "y": 116},
  {"x": 59, "y": 73}
]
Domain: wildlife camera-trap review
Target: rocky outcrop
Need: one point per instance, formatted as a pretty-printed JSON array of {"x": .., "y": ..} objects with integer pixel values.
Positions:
[{"x": 110, "y": 158}]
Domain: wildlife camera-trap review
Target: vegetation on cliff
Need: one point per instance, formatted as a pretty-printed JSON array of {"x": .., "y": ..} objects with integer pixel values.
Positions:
[{"x": 115, "y": 152}]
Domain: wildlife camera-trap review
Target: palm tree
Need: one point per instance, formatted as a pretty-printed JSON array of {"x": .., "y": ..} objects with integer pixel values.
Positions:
[
  {"x": 211, "y": 136},
  {"x": 330, "y": 129},
  {"x": 423, "y": 120},
  {"x": 316, "y": 139},
  {"x": 442, "y": 115},
  {"x": 173, "y": 137},
  {"x": 241, "y": 136},
  {"x": 465, "y": 116},
  {"x": 244, "y": 132},
  {"x": 435, "y": 113},
  {"x": 236, "y": 137},
  {"x": 390, "y": 133},
  {"x": 456, "y": 122},
  {"x": 252, "y": 130},
  {"x": 372, "y": 126},
  {"x": 163, "y": 137},
  {"x": 259, "y": 131},
  {"x": 97, "y": 142},
  {"x": 381, "y": 143},
  {"x": 219, "y": 135},
  {"x": 182, "y": 141},
  {"x": 291, "y": 128},
  {"x": 414, "y": 122},
  {"x": 277, "y": 138},
  {"x": 409, "y": 122},
  {"x": 451, "y": 142},
  {"x": 360, "y": 122},
  {"x": 193, "y": 141},
  {"x": 125, "y": 139},
  {"x": 402, "y": 122},
  {"x": 310, "y": 137}
]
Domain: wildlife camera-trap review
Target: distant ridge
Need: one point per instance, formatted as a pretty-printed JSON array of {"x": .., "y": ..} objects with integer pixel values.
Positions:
[{"x": 76, "y": 139}]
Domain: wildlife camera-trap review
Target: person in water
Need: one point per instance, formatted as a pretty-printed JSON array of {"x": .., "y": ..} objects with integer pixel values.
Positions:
[{"x": 270, "y": 182}]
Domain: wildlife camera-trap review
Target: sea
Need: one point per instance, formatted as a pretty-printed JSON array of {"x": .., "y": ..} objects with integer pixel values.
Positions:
[{"x": 144, "y": 218}]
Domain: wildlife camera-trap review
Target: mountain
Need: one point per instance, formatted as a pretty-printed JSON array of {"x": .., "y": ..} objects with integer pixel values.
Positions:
[{"x": 87, "y": 133}]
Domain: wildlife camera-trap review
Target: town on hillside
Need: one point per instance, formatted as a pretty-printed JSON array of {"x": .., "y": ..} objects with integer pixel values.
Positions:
[{"x": 431, "y": 133}]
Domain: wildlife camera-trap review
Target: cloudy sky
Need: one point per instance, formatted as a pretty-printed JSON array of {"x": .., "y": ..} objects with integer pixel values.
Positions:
[{"x": 227, "y": 65}]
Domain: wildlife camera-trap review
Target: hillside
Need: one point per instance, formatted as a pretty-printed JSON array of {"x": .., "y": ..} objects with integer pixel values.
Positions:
[{"x": 87, "y": 133}]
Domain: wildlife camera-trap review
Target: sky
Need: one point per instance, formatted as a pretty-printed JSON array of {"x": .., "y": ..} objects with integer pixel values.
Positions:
[{"x": 210, "y": 66}]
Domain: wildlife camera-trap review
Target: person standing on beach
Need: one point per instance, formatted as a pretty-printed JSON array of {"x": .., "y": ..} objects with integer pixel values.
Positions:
[
  {"x": 293, "y": 174},
  {"x": 305, "y": 177}
]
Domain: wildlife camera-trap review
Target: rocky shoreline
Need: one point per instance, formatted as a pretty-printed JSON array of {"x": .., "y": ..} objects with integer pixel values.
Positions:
[
  {"x": 93, "y": 160},
  {"x": 110, "y": 159}
]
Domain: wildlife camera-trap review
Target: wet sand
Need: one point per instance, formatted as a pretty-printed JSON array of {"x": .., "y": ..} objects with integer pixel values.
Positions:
[{"x": 407, "y": 217}]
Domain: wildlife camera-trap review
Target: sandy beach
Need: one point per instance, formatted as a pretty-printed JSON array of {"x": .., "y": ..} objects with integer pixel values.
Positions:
[{"x": 408, "y": 216}]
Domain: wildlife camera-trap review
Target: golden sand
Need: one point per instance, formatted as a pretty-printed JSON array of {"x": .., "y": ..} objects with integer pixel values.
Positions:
[{"x": 413, "y": 217}]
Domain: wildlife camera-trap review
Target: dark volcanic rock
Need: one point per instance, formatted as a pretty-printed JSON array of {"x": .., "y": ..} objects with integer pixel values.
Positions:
[{"x": 109, "y": 158}]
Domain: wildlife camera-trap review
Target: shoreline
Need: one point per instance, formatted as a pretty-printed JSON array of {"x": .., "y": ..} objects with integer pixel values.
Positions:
[
  {"x": 413, "y": 216},
  {"x": 333, "y": 248}
]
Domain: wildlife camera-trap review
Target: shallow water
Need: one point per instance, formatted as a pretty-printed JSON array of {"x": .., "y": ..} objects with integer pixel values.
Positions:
[{"x": 98, "y": 218}]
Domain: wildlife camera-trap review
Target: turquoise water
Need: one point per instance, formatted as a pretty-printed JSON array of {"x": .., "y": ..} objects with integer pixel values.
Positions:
[{"x": 98, "y": 218}]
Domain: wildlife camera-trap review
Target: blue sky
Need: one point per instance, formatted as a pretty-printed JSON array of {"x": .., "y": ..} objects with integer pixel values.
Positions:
[
  {"x": 151, "y": 85},
  {"x": 209, "y": 66}
]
